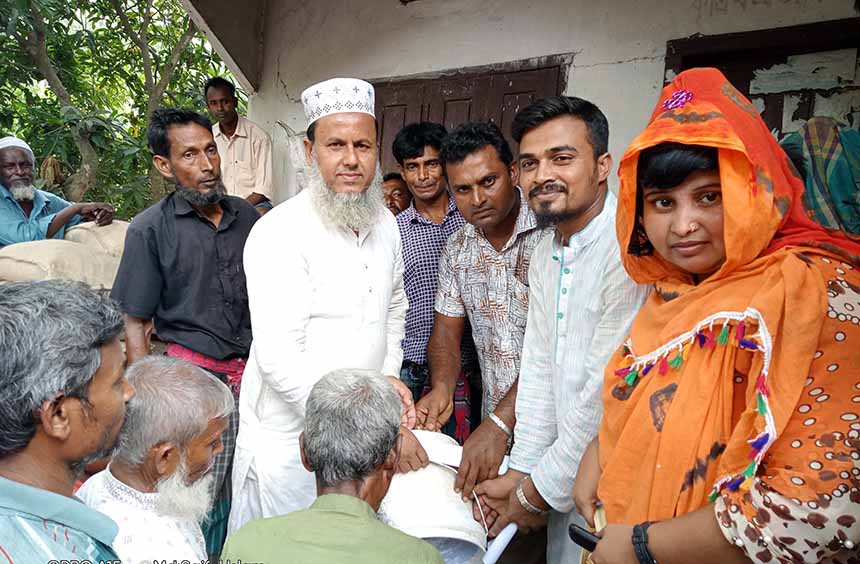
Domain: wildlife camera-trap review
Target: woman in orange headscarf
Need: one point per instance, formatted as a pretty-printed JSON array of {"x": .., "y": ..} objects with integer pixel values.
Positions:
[{"x": 732, "y": 413}]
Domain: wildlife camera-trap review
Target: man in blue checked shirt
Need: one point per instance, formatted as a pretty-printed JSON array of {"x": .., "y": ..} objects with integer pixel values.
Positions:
[
  {"x": 28, "y": 214},
  {"x": 424, "y": 229}
]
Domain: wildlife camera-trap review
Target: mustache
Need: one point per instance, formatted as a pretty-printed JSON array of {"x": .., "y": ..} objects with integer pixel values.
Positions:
[{"x": 548, "y": 189}]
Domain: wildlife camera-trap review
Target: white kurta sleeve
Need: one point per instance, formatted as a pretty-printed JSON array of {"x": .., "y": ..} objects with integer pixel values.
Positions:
[
  {"x": 536, "y": 427},
  {"x": 395, "y": 322},
  {"x": 555, "y": 474},
  {"x": 279, "y": 297}
]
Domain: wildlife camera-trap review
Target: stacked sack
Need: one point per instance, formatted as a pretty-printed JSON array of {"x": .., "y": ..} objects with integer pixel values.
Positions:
[{"x": 89, "y": 254}]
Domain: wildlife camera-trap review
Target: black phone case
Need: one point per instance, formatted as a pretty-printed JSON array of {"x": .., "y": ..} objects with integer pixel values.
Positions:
[{"x": 582, "y": 537}]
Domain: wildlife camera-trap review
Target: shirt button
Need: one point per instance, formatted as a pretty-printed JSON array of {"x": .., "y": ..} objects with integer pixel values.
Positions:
[
  {"x": 566, "y": 270},
  {"x": 560, "y": 315},
  {"x": 554, "y": 258},
  {"x": 564, "y": 290}
]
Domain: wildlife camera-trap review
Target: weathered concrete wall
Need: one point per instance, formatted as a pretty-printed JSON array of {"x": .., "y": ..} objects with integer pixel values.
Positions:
[{"x": 618, "y": 46}]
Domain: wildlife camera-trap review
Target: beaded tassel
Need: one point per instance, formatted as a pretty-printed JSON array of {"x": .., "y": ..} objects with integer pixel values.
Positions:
[
  {"x": 736, "y": 483},
  {"x": 761, "y": 385},
  {"x": 758, "y": 444},
  {"x": 724, "y": 335},
  {"x": 631, "y": 378}
]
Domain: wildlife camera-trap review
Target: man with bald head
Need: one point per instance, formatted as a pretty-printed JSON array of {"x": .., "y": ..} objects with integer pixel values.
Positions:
[
  {"x": 332, "y": 298},
  {"x": 28, "y": 214}
]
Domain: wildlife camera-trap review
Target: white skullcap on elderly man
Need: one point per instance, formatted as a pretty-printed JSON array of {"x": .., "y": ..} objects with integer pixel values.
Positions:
[
  {"x": 336, "y": 96},
  {"x": 13, "y": 142}
]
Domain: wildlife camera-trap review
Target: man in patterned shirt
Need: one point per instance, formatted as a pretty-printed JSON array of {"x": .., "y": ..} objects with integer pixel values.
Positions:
[
  {"x": 483, "y": 276},
  {"x": 425, "y": 226}
]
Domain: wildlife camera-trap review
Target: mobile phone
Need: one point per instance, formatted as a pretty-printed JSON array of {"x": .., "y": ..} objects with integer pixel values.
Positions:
[{"x": 583, "y": 537}]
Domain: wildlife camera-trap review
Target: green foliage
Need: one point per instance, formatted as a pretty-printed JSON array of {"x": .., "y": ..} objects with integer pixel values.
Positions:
[{"x": 102, "y": 68}]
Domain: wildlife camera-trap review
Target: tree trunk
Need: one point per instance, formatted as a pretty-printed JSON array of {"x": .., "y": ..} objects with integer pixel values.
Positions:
[
  {"x": 77, "y": 184},
  {"x": 34, "y": 43}
]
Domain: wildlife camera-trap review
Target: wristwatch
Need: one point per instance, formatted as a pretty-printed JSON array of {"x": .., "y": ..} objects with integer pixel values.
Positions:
[{"x": 640, "y": 544}]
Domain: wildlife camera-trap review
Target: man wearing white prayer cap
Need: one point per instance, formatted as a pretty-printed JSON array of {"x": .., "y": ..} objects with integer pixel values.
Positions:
[
  {"x": 325, "y": 288},
  {"x": 28, "y": 214}
]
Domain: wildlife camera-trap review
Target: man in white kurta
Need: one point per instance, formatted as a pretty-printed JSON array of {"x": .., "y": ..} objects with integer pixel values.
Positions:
[
  {"x": 145, "y": 535},
  {"x": 325, "y": 293},
  {"x": 158, "y": 486},
  {"x": 581, "y": 305}
]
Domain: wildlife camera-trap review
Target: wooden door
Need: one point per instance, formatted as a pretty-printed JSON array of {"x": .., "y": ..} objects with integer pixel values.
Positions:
[{"x": 452, "y": 100}]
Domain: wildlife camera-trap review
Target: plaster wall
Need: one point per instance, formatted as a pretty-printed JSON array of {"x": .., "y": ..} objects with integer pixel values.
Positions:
[{"x": 619, "y": 48}]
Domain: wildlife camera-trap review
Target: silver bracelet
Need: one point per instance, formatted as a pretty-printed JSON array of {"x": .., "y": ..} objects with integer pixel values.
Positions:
[
  {"x": 527, "y": 505},
  {"x": 501, "y": 424}
]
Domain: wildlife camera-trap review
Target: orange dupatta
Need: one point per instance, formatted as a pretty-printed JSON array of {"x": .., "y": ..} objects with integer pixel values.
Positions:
[{"x": 668, "y": 441}]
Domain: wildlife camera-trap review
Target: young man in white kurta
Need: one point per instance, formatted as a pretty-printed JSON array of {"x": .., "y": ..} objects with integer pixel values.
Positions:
[
  {"x": 322, "y": 297},
  {"x": 581, "y": 305}
]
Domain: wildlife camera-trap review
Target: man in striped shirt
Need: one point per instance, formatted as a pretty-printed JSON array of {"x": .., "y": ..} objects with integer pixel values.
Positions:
[{"x": 581, "y": 305}]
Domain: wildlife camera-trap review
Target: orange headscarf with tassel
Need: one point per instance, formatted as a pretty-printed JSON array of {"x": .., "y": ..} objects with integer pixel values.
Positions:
[{"x": 675, "y": 431}]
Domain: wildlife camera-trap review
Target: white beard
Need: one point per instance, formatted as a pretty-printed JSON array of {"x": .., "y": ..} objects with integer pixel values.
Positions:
[
  {"x": 357, "y": 212},
  {"x": 23, "y": 193},
  {"x": 179, "y": 500}
]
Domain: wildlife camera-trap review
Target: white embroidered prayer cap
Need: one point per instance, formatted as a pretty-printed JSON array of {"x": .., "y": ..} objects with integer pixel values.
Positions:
[
  {"x": 12, "y": 141},
  {"x": 338, "y": 95}
]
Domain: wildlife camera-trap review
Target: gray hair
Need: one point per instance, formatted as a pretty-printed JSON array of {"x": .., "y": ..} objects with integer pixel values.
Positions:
[
  {"x": 352, "y": 422},
  {"x": 51, "y": 334},
  {"x": 174, "y": 402}
]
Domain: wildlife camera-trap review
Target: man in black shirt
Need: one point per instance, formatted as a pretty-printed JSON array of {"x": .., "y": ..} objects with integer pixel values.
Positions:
[{"x": 182, "y": 272}]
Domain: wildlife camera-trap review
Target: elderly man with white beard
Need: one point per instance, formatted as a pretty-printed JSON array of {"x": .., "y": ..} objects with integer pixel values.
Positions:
[
  {"x": 325, "y": 288},
  {"x": 28, "y": 214},
  {"x": 158, "y": 486}
]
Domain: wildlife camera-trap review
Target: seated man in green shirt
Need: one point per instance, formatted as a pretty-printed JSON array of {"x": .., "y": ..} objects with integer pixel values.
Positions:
[{"x": 351, "y": 441}]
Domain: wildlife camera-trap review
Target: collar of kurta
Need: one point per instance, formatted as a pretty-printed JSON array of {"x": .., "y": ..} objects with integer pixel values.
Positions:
[
  {"x": 595, "y": 229},
  {"x": 68, "y": 511},
  {"x": 127, "y": 494}
]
